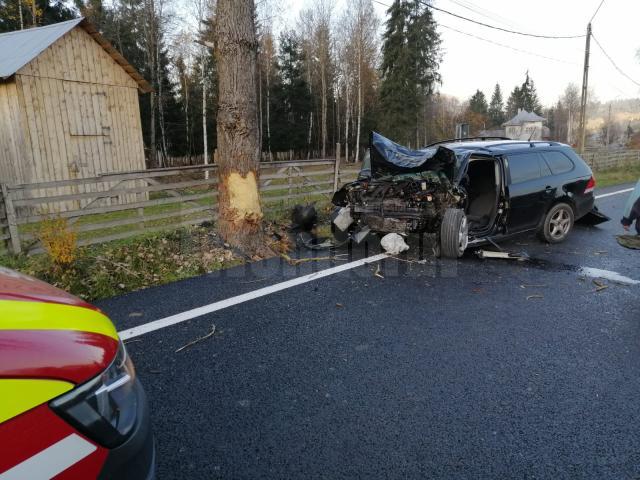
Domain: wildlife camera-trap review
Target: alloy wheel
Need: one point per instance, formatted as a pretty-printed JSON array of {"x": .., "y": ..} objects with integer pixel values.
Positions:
[{"x": 560, "y": 224}]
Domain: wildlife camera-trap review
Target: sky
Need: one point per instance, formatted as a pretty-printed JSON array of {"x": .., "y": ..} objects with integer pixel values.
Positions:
[{"x": 472, "y": 62}]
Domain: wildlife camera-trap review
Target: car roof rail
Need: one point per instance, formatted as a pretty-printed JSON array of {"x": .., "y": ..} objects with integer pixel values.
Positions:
[
  {"x": 529, "y": 143},
  {"x": 466, "y": 139}
]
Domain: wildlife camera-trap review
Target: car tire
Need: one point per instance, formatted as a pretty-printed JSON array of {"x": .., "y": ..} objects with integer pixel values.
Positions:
[
  {"x": 557, "y": 223},
  {"x": 454, "y": 233}
]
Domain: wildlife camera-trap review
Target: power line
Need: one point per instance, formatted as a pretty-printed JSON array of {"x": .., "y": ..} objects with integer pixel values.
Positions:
[
  {"x": 487, "y": 25},
  {"x": 596, "y": 12},
  {"x": 508, "y": 46},
  {"x": 612, "y": 62},
  {"x": 499, "y": 28},
  {"x": 495, "y": 43},
  {"x": 483, "y": 12}
]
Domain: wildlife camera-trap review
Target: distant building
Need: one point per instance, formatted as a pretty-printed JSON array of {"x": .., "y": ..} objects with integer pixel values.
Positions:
[
  {"x": 68, "y": 105},
  {"x": 526, "y": 126},
  {"x": 494, "y": 132}
]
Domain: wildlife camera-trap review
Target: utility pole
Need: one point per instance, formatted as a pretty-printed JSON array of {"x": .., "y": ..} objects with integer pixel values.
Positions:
[
  {"x": 606, "y": 140},
  {"x": 585, "y": 85}
]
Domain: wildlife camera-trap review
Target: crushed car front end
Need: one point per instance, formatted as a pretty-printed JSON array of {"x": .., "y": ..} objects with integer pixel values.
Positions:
[{"x": 399, "y": 190}]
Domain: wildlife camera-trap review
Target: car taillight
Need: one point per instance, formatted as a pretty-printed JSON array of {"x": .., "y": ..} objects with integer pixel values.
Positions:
[
  {"x": 591, "y": 185},
  {"x": 105, "y": 408}
]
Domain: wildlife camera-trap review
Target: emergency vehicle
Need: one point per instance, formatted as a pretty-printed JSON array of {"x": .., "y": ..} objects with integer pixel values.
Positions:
[{"x": 71, "y": 406}]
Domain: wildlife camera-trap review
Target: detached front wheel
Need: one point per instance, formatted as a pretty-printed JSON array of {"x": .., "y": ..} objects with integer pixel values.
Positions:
[{"x": 454, "y": 233}]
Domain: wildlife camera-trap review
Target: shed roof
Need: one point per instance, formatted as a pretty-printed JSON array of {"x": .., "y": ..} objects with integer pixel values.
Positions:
[
  {"x": 20, "y": 47},
  {"x": 522, "y": 117}
]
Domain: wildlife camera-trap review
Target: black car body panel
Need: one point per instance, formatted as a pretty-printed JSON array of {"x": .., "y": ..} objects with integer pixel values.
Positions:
[{"x": 504, "y": 186}]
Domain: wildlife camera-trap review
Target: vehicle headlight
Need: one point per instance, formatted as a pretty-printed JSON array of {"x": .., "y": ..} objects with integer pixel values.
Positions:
[{"x": 104, "y": 408}]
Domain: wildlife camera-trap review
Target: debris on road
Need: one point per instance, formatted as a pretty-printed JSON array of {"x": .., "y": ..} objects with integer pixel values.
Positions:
[
  {"x": 298, "y": 261},
  {"x": 377, "y": 272},
  {"x": 532, "y": 286},
  {"x": 339, "y": 305},
  {"x": 312, "y": 242},
  {"x": 531, "y": 297},
  {"x": 304, "y": 217},
  {"x": 393, "y": 243},
  {"x": 599, "y": 286},
  {"x": 343, "y": 219},
  {"x": 629, "y": 241},
  {"x": 198, "y": 340},
  {"x": 506, "y": 255}
]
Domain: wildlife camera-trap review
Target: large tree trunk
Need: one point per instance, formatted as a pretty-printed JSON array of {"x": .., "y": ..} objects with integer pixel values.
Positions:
[{"x": 240, "y": 214}]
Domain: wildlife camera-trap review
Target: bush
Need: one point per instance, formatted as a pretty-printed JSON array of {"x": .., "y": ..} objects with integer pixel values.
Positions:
[{"x": 59, "y": 241}]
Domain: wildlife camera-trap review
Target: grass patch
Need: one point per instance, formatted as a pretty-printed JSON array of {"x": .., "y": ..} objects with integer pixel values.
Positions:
[
  {"x": 616, "y": 176},
  {"x": 109, "y": 269}
]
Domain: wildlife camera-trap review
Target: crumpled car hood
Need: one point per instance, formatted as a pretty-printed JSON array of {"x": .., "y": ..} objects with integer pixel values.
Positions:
[{"x": 389, "y": 158}]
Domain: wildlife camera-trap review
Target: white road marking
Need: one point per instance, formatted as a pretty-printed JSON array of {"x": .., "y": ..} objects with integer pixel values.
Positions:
[
  {"x": 52, "y": 460},
  {"x": 245, "y": 297},
  {"x": 608, "y": 275},
  {"x": 618, "y": 192}
]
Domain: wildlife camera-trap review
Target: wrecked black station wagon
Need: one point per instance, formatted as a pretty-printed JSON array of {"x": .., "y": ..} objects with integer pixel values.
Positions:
[{"x": 466, "y": 192}]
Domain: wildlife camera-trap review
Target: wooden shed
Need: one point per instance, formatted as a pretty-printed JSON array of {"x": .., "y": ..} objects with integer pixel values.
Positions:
[{"x": 68, "y": 105}]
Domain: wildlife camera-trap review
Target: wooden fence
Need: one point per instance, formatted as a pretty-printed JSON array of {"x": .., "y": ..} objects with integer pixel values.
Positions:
[
  {"x": 605, "y": 159},
  {"x": 121, "y": 205}
]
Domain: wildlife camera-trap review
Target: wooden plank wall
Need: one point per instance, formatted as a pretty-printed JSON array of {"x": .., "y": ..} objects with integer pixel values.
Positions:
[
  {"x": 15, "y": 161},
  {"x": 78, "y": 111}
]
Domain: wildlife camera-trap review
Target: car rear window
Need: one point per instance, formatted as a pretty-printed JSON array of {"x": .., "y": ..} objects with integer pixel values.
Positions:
[
  {"x": 524, "y": 167},
  {"x": 558, "y": 162}
]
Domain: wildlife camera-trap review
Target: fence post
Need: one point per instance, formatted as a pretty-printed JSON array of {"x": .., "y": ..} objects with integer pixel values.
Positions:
[
  {"x": 11, "y": 220},
  {"x": 336, "y": 169}
]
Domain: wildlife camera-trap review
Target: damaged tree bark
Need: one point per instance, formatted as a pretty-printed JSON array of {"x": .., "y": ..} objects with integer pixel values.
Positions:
[{"x": 236, "y": 47}]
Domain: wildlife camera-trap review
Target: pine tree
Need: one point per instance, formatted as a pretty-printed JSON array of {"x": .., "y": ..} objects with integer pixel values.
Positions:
[
  {"x": 529, "y": 96},
  {"x": 409, "y": 70},
  {"x": 525, "y": 97},
  {"x": 514, "y": 102},
  {"x": 478, "y": 103},
  {"x": 290, "y": 98},
  {"x": 496, "y": 107}
]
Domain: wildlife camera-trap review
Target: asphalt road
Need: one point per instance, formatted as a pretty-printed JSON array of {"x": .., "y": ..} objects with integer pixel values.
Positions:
[{"x": 441, "y": 369}]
